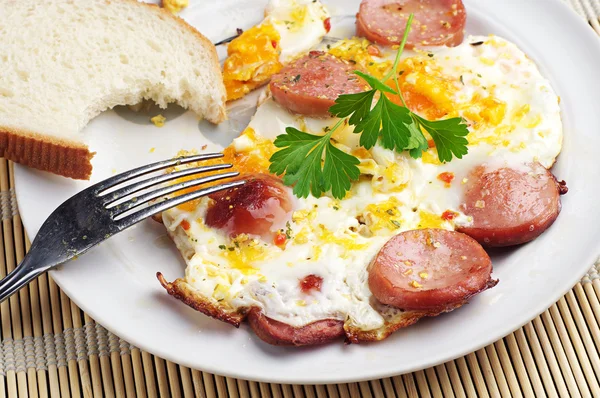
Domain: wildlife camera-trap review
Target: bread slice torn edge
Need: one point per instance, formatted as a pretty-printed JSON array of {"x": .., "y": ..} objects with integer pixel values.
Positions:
[{"x": 72, "y": 158}]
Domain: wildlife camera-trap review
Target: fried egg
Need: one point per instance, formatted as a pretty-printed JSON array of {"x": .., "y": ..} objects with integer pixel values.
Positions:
[
  {"x": 290, "y": 27},
  {"x": 513, "y": 117}
]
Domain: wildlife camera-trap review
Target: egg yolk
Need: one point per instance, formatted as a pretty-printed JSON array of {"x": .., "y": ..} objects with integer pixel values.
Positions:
[
  {"x": 362, "y": 53},
  {"x": 175, "y": 6},
  {"x": 252, "y": 161},
  {"x": 242, "y": 255},
  {"x": 430, "y": 220},
  {"x": 386, "y": 215},
  {"x": 424, "y": 88},
  {"x": 346, "y": 241},
  {"x": 253, "y": 58}
]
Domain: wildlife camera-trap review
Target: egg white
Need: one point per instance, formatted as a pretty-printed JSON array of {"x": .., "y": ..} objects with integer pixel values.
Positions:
[
  {"x": 299, "y": 24},
  {"x": 337, "y": 239}
]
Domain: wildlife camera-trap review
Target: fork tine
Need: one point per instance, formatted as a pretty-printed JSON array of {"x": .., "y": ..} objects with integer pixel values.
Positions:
[
  {"x": 227, "y": 40},
  {"x": 149, "y": 168},
  {"x": 149, "y": 211},
  {"x": 138, "y": 186},
  {"x": 331, "y": 39},
  {"x": 140, "y": 200},
  {"x": 326, "y": 39}
]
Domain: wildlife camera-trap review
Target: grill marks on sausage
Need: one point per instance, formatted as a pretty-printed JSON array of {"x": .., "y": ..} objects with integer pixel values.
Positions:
[
  {"x": 511, "y": 206},
  {"x": 429, "y": 270},
  {"x": 312, "y": 83},
  {"x": 436, "y": 22}
]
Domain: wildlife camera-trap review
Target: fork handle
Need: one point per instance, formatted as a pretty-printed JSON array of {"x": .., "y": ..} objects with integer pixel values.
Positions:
[{"x": 19, "y": 277}]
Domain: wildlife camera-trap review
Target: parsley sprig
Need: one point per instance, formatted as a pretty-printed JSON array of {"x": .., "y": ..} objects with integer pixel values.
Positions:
[
  {"x": 301, "y": 159},
  {"x": 313, "y": 165}
]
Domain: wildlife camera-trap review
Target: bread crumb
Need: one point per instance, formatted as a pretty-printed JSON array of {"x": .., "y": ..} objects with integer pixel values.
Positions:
[
  {"x": 175, "y": 6},
  {"x": 158, "y": 120},
  {"x": 204, "y": 146},
  {"x": 152, "y": 150}
]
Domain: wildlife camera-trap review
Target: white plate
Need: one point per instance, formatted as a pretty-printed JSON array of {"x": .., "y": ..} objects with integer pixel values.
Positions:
[{"x": 115, "y": 283}]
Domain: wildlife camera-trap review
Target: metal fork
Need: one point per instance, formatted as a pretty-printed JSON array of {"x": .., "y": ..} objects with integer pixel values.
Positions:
[
  {"x": 99, "y": 212},
  {"x": 326, "y": 39}
]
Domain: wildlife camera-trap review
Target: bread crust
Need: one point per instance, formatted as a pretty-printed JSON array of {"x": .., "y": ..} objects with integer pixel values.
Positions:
[
  {"x": 63, "y": 157},
  {"x": 70, "y": 158}
]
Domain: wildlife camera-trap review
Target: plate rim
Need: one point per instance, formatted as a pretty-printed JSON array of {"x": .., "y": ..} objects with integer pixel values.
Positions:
[{"x": 576, "y": 276}]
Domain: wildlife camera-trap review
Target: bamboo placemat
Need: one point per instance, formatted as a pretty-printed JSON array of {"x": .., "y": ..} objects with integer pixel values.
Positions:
[{"x": 50, "y": 348}]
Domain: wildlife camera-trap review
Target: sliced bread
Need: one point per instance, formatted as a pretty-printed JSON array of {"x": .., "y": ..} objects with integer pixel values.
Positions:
[{"x": 63, "y": 62}]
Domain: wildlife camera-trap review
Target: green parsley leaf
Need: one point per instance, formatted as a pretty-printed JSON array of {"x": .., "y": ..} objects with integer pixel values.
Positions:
[
  {"x": 301, "y": 158},
  {"x": 358, "y": 105},
  {"x": 394, "y": 120},
  {"x": 386, "y": 121},
  {"x": 297, "y": 144},
  {"x": 309, "y": 177},
  {"x": 374, "y": 83},
  {"x": 340, "y": 169},
  {"x": 449, "y": 136},
  {"x": 417, "y": 143}
]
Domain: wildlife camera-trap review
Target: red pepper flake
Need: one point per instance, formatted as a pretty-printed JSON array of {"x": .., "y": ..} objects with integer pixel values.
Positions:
[
  {"x": 280, "y": 239},
  {"x": 447, "y": 177},
  {"x": 449, "y": 215},
  {"x": 373, "y": 50},
  {"x": 431, "y": 143},
  {"x": 327, "y": 24},
  {"x": 274, "y": 43},
  {"x": 311, "y": 282},
  {"x": 185, "y": 225}
]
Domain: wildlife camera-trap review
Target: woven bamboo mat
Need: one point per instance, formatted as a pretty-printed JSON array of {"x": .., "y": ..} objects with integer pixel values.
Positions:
[{"x": 50, "y": 348}]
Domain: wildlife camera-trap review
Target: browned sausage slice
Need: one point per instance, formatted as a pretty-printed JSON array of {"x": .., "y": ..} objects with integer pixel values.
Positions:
[
  {"x": 279, "y": 333},
  {"x": 436, "y": 22},
  {"x": 510, "y": 206},
  {"x": 429, "y": 270},
  {"x": 258, "y": 207},
  {"x": 312, "y": 83}
]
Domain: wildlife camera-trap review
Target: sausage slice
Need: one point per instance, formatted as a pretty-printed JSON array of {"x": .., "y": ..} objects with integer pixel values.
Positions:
[
  {"x": 429, "y": 270},
  {"x": 312, "y": 83},
  {"x": 436, "y": 22},
  {"x": 257, "y": 207},
  {"x": 510, "y": 206},
  {"x": 279, "y": 333}
]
